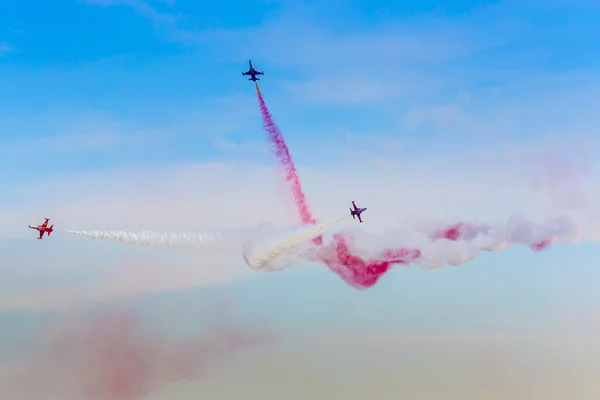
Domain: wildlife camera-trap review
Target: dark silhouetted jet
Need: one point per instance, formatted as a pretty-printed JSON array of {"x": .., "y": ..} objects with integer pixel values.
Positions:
[
  {"x": 252, "y": 72},
  {"x": 356, "y": 212}
]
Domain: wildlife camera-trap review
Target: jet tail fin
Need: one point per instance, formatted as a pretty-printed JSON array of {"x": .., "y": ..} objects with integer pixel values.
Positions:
[
  {"x": 50, "y": 230},
  {"x": 352, "y": 213}
]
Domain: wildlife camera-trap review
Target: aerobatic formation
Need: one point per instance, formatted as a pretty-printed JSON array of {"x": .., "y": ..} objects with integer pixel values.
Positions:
[{"x": 358, "y": 257}]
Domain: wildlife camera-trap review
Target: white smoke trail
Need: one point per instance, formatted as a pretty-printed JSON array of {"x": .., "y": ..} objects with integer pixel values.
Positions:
[
  {"x": 435, "y": 251},
  {"x": 351, "y": 251},
  {"x": 184, "y": 241},
  {"x": 265, "y": 259}
]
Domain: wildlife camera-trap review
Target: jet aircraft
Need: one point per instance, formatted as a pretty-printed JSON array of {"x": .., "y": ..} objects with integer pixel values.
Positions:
[
  {"x": 252, "y": 72},
  {"x": 356, "y": 212},
  {"x": 43, "y": 228}
]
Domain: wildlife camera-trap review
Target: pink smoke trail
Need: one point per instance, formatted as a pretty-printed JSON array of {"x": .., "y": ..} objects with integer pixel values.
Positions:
[
  {"x": 356, "y": 271},
  {"x": 337, "y": 256},
  {"x": 284, "y": 157},
  {"x": 111, "y": 356}
]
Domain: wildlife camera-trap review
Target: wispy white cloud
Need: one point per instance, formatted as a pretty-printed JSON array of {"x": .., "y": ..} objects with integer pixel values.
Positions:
[
  {"x": 353, "y": 89},
  {"x": 5, "y": 48},
  {"x": 352, "y": 68},
  {"x": 71, "y": 130},
  {"x": 439, "y": 116},
  {"x": 397, "y": 58},
  {"x": 239, "y": 148},
  {"x": 53, "y": 140},
  {"x": 141, "y": 7},
  {"x": 87, "y": 141},
  {"x": 393, "y": 44}
]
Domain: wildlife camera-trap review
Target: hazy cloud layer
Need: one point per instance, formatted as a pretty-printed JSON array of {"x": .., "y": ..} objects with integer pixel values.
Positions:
[
  {"x": 196, "y": 197},
  {"x": 424, "y": 366}
]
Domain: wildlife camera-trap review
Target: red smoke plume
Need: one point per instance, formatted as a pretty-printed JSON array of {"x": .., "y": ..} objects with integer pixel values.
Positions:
[
  {"x": 284, "y": 157},
  {"x": 358, "y": 272},
  {"x": 355, "y": 270},
  {"x": 111, "y": 357}
]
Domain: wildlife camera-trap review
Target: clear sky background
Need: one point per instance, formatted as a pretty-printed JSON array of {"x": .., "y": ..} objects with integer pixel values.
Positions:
[{"x": 132, "y": 114}]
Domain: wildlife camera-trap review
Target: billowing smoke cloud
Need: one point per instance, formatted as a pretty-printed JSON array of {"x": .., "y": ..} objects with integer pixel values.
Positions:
[
  {"x": 265, "y": 259},
  {"x": 358, "y": 257},
  {"x": 361, "y": 259},
  {"x": 110, "y": 356}
]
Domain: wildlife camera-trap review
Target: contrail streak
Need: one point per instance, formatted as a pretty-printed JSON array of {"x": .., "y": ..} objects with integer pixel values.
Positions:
[{"x": 190, "y": 241}]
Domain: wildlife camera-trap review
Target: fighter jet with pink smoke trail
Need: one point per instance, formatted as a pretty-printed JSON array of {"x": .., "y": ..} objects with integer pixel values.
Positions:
[{"x": 252, "y": 72}]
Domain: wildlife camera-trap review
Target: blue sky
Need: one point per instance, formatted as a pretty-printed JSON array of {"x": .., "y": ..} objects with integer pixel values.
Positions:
[{"x": 132, "y": 114}]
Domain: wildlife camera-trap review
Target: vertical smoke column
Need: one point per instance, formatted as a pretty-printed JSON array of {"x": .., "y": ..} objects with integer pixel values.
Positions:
[{"x": 284, "y": 158}]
